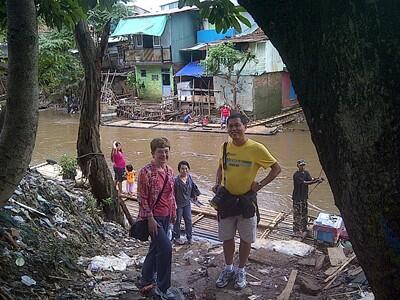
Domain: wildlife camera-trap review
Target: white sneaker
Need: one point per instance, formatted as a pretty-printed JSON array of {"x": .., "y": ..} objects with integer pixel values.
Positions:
[
  {"x": 168, "y": 295},
  {"x": 224, "y": 278},
  {"x": 240, "y": 280}
]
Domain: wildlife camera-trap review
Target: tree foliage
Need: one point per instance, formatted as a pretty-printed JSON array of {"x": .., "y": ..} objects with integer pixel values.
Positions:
[
  {"x": 223, "y": 58},
  {"x": 227, "y": 62},
  {"x": 58, "y": 67},
  {"x": 223, "y": 13},
  {"x": 61, "y": 13},
  {"x": 99, "y": 16},
  {"x": 56, "y": 14}
]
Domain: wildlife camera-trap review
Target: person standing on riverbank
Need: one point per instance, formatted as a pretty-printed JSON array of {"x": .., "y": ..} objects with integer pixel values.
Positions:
[
  {"x": 301, "y": 180},
  {"x": 130, "y": 179},
  {"x": 157, "y": 205},
  {"x": 185, "y": 191},
  {"x": 118, "y": 159},
  {"x": 225, "y": 112},
  {"x": 236, "y": 195}
]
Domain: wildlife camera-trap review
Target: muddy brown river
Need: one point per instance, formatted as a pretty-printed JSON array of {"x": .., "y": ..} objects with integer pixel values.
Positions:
[{"x": 58, "y": 131}]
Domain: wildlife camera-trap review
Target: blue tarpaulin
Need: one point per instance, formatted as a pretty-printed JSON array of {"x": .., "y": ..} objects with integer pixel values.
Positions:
[{"x": 194, "y": 69}]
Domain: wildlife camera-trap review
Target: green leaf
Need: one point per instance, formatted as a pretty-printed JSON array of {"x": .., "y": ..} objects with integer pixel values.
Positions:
[
  {"x": 235, "y": 23},
  {"x": 244, "y": 20}
]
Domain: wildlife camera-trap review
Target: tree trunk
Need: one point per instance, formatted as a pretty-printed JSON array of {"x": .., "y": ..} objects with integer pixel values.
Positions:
[
  {"x": 90, "y": 158},
  {"x": 18, "y": 134},
  {"x": 235, "y": 85},
  {"x": 343, "y": 58}
]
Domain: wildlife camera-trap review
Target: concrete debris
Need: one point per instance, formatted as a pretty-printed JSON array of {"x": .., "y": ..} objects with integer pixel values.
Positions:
[{"x": 288, "y": 247}]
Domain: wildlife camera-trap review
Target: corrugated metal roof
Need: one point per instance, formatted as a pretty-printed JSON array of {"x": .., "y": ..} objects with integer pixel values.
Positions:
[
  {"x": 256, "y": 36},
  {"x": 199, "y": 47}
]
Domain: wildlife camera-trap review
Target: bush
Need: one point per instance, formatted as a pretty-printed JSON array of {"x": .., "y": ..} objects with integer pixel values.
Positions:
[
  {"x": 108, "y": 201},
  {"x": 68, "y": 165}
]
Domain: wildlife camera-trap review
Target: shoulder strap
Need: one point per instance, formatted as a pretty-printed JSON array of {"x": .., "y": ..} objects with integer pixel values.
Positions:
[
  {"x": 224, "y": 155},
  {"x": 162, "y": 190},
  {"x": 224, "y": 160}
]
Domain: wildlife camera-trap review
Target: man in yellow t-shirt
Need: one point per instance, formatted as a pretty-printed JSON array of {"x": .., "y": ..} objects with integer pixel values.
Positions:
[{"x": 236, "y": 172}]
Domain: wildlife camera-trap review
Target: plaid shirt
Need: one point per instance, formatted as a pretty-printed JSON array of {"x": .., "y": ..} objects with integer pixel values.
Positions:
[{"x": 149, "y": 185}]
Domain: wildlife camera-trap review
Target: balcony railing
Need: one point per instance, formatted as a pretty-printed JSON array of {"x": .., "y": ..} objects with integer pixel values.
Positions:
[
  {"x": 148, "y": 55},
  {"x": 127, "y": 57}
]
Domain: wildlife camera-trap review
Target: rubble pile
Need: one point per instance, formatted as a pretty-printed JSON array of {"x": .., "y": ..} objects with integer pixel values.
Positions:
[{"x": 46, "y": 227}]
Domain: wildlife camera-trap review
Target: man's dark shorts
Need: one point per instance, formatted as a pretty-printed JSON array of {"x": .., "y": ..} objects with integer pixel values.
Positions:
[{"x": 119, "y": 174}]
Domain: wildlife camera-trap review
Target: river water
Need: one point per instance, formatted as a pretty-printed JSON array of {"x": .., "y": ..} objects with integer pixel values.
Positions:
[{"x": 58, "y": 131}]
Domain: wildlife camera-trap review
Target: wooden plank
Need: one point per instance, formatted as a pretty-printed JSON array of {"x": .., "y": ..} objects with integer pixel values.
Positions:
[
  {"x": 320, "y": 262},
  {"x": 197, "y": 218},
  {"x": 334, "y": 275},
  {"x": 28, "y": 208},
  {"x": 126, "y": 211},
  {"x": 309, "y": 261},
  {"x": 331, "y": 270},
  {"x": 289, "y": 286},
  {"x": 274, "y": 118},
  {"x": 336, "y": 256}
]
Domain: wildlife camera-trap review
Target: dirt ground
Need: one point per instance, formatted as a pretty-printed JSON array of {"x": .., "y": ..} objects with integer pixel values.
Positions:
[{"x": 51, "y": 232}]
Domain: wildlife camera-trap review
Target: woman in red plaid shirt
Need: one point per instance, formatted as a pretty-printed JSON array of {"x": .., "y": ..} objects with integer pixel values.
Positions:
[{"x": 157, "y": 204}]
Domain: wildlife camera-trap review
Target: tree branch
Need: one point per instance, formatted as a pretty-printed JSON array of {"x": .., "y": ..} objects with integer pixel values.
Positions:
[
  {"x": 248, "y": 57},
  {"x": 104, "y": 39}
]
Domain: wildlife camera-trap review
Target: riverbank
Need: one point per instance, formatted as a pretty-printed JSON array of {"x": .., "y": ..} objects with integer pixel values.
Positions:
[{"x": 54, "y": 245}]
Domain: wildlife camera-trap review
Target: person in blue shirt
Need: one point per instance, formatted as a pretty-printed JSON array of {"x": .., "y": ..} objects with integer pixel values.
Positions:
[
  {"x": 185, "y": 191},
  {"x": 187, "y": 117}
]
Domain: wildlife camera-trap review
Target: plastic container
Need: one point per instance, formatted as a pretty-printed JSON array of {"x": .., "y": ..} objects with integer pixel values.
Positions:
[{"x": 327, "y": 228}]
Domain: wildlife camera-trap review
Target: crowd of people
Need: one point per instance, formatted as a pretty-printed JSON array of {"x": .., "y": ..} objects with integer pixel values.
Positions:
[{"x": 165, "y": 199}]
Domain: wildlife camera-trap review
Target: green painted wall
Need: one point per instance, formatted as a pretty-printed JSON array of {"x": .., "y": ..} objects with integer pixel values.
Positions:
[
  {"x": 153, "y": 86},
  {"x": 267, "y": 94},
  {"x": 152, "y": 90}
]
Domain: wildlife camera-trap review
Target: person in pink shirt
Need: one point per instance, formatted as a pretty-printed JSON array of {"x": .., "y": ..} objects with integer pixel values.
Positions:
[
  {"x": 155, "y": 188},
  {"x": 119, "y": 164}
]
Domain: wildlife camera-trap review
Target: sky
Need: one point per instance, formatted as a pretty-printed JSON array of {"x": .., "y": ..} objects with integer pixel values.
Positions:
[{"x": 153, "y": 5}]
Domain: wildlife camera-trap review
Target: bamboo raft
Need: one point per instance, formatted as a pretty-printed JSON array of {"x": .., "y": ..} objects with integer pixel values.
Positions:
[
  {"x": 193, "y": 127},
  {"x": 275, "y": 225}
]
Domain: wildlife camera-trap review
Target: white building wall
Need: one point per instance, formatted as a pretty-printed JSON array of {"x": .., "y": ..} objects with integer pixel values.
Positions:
[
  {"x": 267, "y": 59},
  {"x": 244, "y": 95},
  {"x": 273, "y": 61}
]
